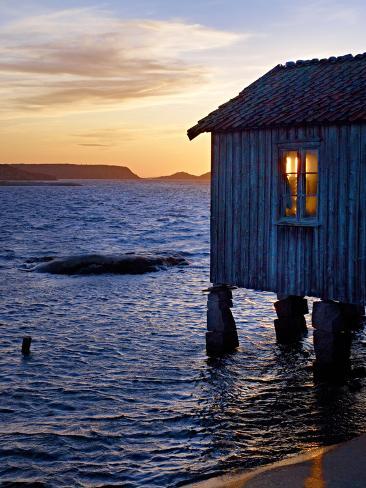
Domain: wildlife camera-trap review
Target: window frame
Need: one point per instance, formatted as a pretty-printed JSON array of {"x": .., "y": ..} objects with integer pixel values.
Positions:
[{"x": 300, "y": 219}]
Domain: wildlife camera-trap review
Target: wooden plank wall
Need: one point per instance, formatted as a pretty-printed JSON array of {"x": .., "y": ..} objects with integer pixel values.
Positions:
[{"x": 249, "y": 250}]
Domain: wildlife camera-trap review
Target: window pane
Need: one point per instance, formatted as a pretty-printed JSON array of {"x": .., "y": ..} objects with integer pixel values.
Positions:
[
  {"x": 311, "y": 204},
  {"x": 311, "y": 180},
  {"x": 291, "y": 183},
  {"x": 291, "y": 168},
  {"x": 311, "y": 184},
  {"x": 291, "y": 206},
  {"x": 311, "y": 161},
  {"x": 291, "y": 161}
]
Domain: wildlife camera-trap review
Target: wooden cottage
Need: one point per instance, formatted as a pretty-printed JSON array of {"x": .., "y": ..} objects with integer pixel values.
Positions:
[{"x": 288, "y": 204}]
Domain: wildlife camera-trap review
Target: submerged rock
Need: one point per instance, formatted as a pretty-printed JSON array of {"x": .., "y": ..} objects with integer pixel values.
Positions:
[{"x": 99, "y": 264}]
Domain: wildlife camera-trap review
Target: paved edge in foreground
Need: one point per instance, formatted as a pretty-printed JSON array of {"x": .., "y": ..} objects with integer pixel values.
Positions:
[{"x": 337, "y": 466}]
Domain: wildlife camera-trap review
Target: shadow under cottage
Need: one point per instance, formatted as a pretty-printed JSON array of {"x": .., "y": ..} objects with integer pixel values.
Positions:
[{"x": 288, "y": 204}]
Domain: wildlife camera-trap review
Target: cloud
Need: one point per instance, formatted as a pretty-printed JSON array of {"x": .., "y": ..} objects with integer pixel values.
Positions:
[
  {"x": 88, "y": 92},
  {"x": 85, "y": 57},
  {"x": 115, "y": 136},
  {"x": 111, "y": 135},
  {"x": 94, "y": 145}
]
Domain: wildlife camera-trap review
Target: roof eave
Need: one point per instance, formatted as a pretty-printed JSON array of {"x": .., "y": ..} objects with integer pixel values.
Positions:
[
  {"x": 193, "y": 132},
  {"x": 196, "y": 130}
]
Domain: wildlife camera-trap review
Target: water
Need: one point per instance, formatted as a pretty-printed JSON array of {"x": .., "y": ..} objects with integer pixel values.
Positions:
[{"x": 118, "y": 389}]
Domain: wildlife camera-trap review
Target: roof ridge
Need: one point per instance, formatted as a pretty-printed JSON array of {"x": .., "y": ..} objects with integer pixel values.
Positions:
[
  {"x": 316, "y": 91},
  {"x": 331, "y": 59}
]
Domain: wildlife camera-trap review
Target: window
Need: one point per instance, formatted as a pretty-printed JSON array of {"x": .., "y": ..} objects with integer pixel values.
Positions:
[{"x": 299, "y": 187}]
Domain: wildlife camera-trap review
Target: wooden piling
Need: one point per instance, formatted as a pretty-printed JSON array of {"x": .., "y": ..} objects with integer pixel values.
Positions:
[{"x": 26, "y": 344}]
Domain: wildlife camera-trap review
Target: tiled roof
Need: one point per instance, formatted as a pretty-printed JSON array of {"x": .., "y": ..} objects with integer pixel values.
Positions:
[{"x": 331, "y": 90}]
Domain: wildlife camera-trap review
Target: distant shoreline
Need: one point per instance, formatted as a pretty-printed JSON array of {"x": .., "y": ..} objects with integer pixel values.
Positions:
[
  {"x": 37, "y": 183},
  {"x": 6, "y": 183},
  {"x": 55, "y": 172}
]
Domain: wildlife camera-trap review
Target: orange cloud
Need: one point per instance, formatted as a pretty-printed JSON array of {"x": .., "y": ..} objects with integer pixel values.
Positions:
[{"x": 79, "y": 58}]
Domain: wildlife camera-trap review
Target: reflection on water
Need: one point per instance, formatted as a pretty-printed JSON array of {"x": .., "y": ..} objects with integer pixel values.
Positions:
[
  {"x": 316, "y": 477},
  {"x": 118, "y": 389}
]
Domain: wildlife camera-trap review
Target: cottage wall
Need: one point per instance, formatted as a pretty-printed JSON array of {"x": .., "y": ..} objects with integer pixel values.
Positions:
[{"x": 248, "y": 247}]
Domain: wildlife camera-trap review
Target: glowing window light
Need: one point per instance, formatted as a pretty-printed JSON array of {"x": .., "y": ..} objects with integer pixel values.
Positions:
[
  {"x": 311, "y": 182},
  {"x": 300, "y": 183},
  {"x": 292, "y": 164}
]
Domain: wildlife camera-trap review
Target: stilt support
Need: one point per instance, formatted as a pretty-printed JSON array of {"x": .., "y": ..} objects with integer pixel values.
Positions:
[
  {"x": 290, "y": 325},
  {"x": 221, "y": 335},
  {"x": 332, "y": 337},
  {"x": 353, "y": 315}
]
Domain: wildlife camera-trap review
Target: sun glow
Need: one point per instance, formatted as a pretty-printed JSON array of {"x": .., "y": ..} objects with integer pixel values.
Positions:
[{"x": 82, "y": 85}]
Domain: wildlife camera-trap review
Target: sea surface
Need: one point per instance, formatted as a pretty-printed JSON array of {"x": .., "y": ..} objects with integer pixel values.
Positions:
[{"x": 118, "y": 389}]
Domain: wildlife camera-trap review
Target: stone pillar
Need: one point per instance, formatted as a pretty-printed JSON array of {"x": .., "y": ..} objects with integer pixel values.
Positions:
[
  {"x": 353, "y": 315},
  {"x": 291, "y": 324},
  {"x": 332, "y": 337},
  {"x": 221, "y": 335}
]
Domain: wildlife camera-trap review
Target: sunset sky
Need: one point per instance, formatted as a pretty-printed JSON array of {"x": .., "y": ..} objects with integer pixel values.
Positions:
[{"x": 120, "y": 82}]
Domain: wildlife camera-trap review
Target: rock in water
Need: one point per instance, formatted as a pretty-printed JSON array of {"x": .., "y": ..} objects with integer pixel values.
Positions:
[{"x": 117, "y": 264}]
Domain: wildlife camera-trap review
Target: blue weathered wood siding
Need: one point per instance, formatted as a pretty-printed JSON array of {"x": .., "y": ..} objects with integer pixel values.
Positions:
[{"x": 249, "y": 250}]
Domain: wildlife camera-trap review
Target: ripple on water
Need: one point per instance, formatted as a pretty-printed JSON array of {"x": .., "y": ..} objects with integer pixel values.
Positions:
[{"x": 118, "y": 389}]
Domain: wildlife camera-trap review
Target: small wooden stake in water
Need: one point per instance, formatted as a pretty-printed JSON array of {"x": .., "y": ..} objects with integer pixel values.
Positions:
[{"x": 26, "y": 345}]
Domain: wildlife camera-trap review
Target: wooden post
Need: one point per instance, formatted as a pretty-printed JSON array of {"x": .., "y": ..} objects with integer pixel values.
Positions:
[
  {"x": 26, "y": 344},
  {"x": 221, "y": 335},
  {"x": 291, "y": 324}
]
